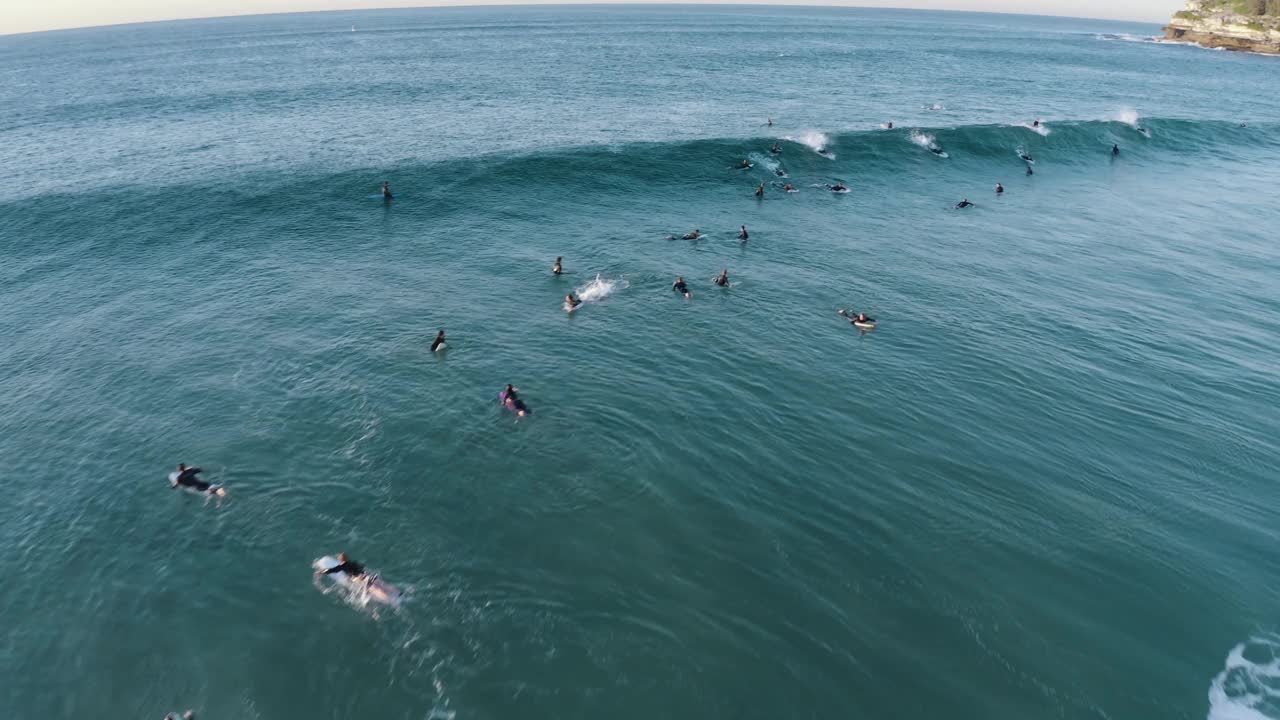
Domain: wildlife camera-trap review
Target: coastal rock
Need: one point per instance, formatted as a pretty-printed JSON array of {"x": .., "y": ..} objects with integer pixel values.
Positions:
[{"x": 1248, "y": 25}]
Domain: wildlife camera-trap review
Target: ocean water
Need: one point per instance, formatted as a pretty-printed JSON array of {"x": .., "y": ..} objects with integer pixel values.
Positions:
[{"x": 1044, "y": 487}]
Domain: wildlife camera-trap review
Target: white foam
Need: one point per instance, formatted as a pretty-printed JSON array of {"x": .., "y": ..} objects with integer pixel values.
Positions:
[
  {"x": 1248, "y": 688},
  {"x": 926, "y": 141},
  {"x": 1126, "y": 37},
  {"x": 599, "y": 289},
  {"x": 936, "y": 107},
  {"x": 1128, "y": 116},
  {"x": 814, "y": 140},
  {"x": 1042, "y": 129}
]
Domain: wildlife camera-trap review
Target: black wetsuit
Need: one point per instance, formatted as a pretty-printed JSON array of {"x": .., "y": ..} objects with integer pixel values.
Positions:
[
  {"x": 964, "y": 204},
  {"x": 187, "y": 478},
  {"x": 742, "y": 235},
  {"x": 722, "y": 281},
  {"x": 680, "y": 287},
  {"x": 350, "y": 567},
  {"x": 437, "y": 342},
  {"x": 1115, "y": 149}
]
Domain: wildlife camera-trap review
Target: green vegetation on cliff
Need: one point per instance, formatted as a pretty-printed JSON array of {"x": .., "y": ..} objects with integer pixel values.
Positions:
[{"x": 1233, "y": 7}]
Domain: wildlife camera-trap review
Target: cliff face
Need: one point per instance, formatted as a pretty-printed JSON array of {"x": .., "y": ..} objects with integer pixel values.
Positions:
[{"x": 1252, "y": 25}]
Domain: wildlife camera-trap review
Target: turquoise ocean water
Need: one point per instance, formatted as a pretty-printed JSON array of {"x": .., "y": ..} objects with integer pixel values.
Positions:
[{"x": 1044, "y": 487}]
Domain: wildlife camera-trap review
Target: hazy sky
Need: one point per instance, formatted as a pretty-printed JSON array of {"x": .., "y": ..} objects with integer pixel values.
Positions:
[{"x": 18, "y": 16}]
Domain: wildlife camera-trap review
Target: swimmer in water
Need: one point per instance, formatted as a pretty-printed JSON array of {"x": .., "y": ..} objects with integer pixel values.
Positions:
[
  {"x": 571, "y": 301},
  {"x": 1115, "y": 150},
  {"x": 1030, "y": 171},
  {"x": 435, "y": 344},
  {"x": 386, "y": 191},
  {"x": 1035, "y": 123},
  {"x": 780, "y": 172},
  {"x": 770, "y": 123},
  {"x": 746, "y": 164},
  {"x": 188, "y": 715},
  {"x": 935, "y": 149},
  {"x": 964, "y": 204},
  {"x": 557, "y": 269},
  {"x": 680, "y": 286},
  {"x": 999, "y": 188},
  {"x": 889, "y": 125},
  {"x": 838, "y": 187},
  {"x": 760, "y": 191},
  {"x": 788, "y": 188},
  {"x": 742, "y": 234},
  {"x": 693, "y": 235},
  {"x": 353, "y": 569},
  {"x": 776, "y": 149},
  {"x": 722, "y": 279},
  {"x": 1026, "y": 157},
  {"x": 187, "y": 478}
]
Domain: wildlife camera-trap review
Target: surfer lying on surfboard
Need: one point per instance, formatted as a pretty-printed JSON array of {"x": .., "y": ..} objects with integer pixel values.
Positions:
[
  {"x": 353, "y": 569},
  {"x": 861, "y": 320},
  {"x": 186, "y": 477}
]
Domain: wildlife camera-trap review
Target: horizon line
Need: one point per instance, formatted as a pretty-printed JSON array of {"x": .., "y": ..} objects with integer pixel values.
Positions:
[{"x": 450, "y": 4}]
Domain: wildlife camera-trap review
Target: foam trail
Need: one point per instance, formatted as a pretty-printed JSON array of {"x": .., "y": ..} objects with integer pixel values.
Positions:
[
  {"x": 928, "y": 142},
  {"x": 924, "y": 140},
  {"x": 1041, "y": 129},
  {"x": 599, "y": 289},
  {"x": 816, "y": 141},
  {"x": 1128, "y": 116},
  {"x": 1248, "y": 688}
]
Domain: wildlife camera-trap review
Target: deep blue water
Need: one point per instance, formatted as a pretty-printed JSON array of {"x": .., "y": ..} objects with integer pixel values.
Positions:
[{"x": 1044, "y": 486}]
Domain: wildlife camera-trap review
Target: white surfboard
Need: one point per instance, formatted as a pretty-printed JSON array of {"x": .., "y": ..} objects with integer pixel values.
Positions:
[{"x": 376, "y": 588}]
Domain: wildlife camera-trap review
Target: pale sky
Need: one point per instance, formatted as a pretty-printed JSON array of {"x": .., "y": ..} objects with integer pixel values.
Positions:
[{"x": 17, "y": 16}]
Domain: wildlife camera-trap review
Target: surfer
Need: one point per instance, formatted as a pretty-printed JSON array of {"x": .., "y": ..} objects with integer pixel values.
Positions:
[
  {"x": 1030, "y": 171},
  {"x": 693, "y": 235},
  {"x": 680, "y": 287},
  {"x": 186, "y": 477},
  {"x": 438, "y": 342},
  {"x": 964, "y": 204},
  {"x": 776, "y": 150},
  {"x": 1115, "y": 150},
  {"x": 742, "y": 234},
  {"x": 386, "y": 191},
  {"x": 510, "y": 398},
  {"x": 760, "y": 191},
  {"x": 571, "y": 301},
  {"x": 746, "y": 165},
  {"x": 839, "y": 187},
  {"x": 935, "y": 149},
  {"x": 999, "y": 188},
  {"x": 888, "y": 125},
  {"x": 780, "y": 173},
  {"x": 788, "y": 188},
  {"x": 556, "y": 269},
  {"x": 353, "y": 569},
  {"x": 770, "y": 123},
  {"x": 722, "y": 279},
  {"x": 1027, "y": 157},
  {"x": 1035, "y": 123},
  {"x": 856, "y": 317},
  {"x": 190, "y": 714}
]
